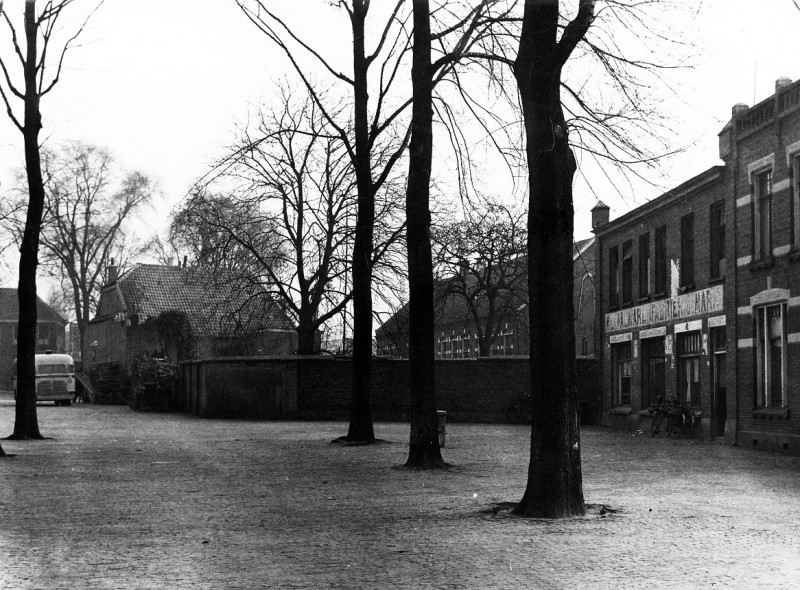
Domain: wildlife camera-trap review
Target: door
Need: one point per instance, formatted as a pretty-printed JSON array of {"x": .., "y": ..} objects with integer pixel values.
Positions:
[
  {"x": 718, "y": 382},
  {"x": 653, "y": 371}
]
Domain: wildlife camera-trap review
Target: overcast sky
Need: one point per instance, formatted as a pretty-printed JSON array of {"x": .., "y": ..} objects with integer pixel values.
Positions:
[{"x": 162, "y": 83}]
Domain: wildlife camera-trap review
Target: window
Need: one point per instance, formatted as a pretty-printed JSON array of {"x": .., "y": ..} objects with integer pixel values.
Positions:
[
  {"x": 762, "y": 202},
  {"x": 717, "y": 233},
  {"x": 613, "y": 274},
  {"x": 623, "y": 367},
  {"x": 689, "y": 350},
  {"x": 687, "y": 251},
  {"x": 771, "y": 358},
  {"x": 794, "y": 171},
  {"x": 43, "y": 335},
  {"x": 644, "y": 265},
  {"x": 660, "y": 284},
  {"x": 508, "y": 342},
  {"x": 627, "y": 272}
]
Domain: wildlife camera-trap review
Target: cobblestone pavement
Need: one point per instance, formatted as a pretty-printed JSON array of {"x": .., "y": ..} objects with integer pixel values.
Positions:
[{"x": 117, "y": 499}]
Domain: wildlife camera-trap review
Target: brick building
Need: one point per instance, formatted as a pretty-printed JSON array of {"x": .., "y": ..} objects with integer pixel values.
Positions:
[
  {"x": 761, "y": 150},
  {"x": 455, "y": 325},
  {"x": 49, "y": 332},
  {"x": 700, "y": 288},
  {"x": 184, "y": 314},
  {"x": 662, "y": 279}
]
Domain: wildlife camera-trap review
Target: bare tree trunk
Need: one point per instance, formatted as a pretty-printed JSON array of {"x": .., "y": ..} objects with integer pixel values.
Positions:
[
  {"x": 306, "y": 332},
  {"x": 361, "y": 430},
  {"x": 555, "y": 486},
  {"x": 26, "y": 425},
  {"x": 424, "y": 451}
]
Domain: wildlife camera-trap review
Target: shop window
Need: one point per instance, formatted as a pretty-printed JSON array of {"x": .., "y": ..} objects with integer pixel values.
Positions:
[
  {"x": 623, "y": 368},
  {"x": 771, "y": 351},
  {"x": 689, "y": 350},
  {"x": 613, "y": 277},
  {"x": 627, "y": 272},
  {"x": 687, "y": 252},
  {"x": 762, "y": 208},
  {"x": 660, "y": 263},
  {"x": 717, "y": 233},
  {"x": 644, "y": 265}
]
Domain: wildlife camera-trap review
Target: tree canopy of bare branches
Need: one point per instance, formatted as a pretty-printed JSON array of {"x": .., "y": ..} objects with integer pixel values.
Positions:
[
  {"x": 482, "y": 261},
  {"x": 288, "y": 218}
]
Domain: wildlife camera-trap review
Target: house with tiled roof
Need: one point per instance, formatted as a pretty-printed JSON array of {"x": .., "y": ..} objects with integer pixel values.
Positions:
[
  {"x": 184, "y": 314},
  {"x": 49, "y": 332}
]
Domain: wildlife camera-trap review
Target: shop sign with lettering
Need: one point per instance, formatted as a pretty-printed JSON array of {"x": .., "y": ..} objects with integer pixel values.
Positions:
[{"x": 675, "y": 308}]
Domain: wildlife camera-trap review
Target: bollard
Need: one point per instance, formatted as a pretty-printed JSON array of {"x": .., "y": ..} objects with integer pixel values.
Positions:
[{"x": 441, "y": 417}]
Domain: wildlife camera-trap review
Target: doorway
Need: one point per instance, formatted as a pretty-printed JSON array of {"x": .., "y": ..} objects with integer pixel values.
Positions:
[
  {"x": 653, "y": 371},
  {"x": 718, "y": 382}
]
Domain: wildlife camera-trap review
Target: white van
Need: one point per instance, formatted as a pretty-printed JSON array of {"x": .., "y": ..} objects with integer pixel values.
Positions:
[{"x": 55, "y": 378}]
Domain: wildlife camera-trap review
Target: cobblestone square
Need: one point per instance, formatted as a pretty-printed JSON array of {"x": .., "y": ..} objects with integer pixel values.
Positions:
[{"x": 118, "y": 499}]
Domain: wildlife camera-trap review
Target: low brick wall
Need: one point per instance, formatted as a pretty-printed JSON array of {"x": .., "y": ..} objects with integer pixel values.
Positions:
[{"x": 318, "y": 388}]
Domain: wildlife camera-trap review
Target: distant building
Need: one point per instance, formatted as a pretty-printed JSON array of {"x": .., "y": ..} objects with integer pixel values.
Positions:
[
  {"x": 49, "y": 332},
  {"x": 455, "y": 327},
  {"x": 184, "y": 314}
]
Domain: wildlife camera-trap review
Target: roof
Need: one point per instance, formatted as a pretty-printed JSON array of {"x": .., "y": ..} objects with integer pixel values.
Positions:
[
  {"x": 452, "y": 308},
  {"x": 9, "y": 308},
  {"x": 702, "y": 181},
  {"x": 213, "y": 306}
]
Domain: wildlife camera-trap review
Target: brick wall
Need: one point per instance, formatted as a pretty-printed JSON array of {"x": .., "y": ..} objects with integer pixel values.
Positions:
[{"x": 470, "y": 390}]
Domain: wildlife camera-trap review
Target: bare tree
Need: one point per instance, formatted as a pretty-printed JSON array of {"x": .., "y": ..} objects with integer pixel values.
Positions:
[
  {"x": 83, "y": 225},
  {"x": 289, "y": 218},
  {"x": 39, "y": 77},
  {"x": 373, "y": 112},
  {"x": 482, "y": 262}
]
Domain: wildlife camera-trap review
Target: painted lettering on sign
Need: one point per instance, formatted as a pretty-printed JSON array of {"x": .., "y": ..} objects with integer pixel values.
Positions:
[{"x": 667, "y": 310}]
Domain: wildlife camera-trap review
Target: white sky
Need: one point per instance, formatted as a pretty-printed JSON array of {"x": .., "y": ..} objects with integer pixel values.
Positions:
[{"x": 162, "y": 83}]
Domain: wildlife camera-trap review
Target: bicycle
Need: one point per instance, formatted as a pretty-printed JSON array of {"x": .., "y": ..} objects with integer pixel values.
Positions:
[{"x": 676, "y": 418}]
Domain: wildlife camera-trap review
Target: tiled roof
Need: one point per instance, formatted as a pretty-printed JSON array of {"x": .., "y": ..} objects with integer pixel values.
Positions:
[
  {"x": 213, "y": 306},
  {"x": 9, "y": 308}
]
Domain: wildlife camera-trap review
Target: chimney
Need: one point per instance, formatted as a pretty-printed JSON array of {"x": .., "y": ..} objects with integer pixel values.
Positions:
[
  {"x": 112, "y": 273},
  {"x": 782, "y": 83},
  {"x": 739, "y": 107},
  {"x": 600, "y": 213}
]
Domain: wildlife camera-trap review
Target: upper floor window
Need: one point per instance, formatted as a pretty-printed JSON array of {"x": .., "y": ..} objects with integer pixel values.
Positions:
[
  {"x": 687, "y": 251},
  {"x": 771, "y": 356},
  {"x": 717, "y": 236},
  {"x": 660, "y": 278},
  {"x": 627, "y": 272},
  {"x": 613, "y": 277},
  {"x": 762, "y": 209},
  {"x": 794, "y": 171},
  {"x": 644, "y": 265}
]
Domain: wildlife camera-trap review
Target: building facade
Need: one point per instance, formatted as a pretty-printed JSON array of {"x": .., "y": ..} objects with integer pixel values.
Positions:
[
  {"x": 761, "y": 150},
  {"x": 180, "y": 314},
  {"x": 700, "y": 288},
  {"x": 663, "y": 277},
  {"x": 455, "y": 331},
  {"x": 49, "y": 332}
]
